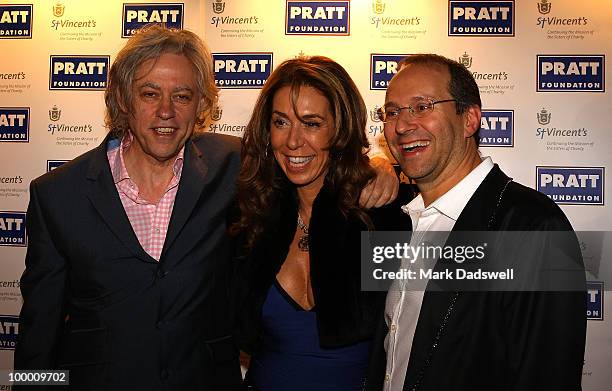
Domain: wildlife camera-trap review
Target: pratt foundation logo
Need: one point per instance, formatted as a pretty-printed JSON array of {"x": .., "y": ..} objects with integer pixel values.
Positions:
[
  {"x": 330, "y": 17},
  {"x": 576, "y": 73},
  {"x": 218, "y": 6},
  {"x": 13, "y": 229},
  {"x": 544, "y": 117},
  {"x": 216, "y": 113},
  {"x": 78, "y": 73},
  {"x": 595, "y": 299},
  {"x": 572, "y": 185},
  {"x": 136, "y": 16},
  {"x": 465, "y": 60},
  {"x": 382, "y": 69},
  {"x": 496, "y": 128},
  {"x": 378, "y": 7},
  {"x": 58, "y": 10},
  {"x": 16, "y": 21},
  {"x": 242, "y": 70},
  {"x": 9, "y": 331},
  {"x": 55, "y": 114},
  {"x": 481, "y": 18},
  {"x": 14, "y": 124},
  {"x": 53, "y": 164},
  {"x": 544, "y": 7}
]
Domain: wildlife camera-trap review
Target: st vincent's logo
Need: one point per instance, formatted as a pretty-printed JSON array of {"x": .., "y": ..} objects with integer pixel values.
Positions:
[
  {"x": 218, "y": 6},
  {"x": 331, "y": 17},
  {"x": 544, "y": 117},
  {"x": 374, "y": 114},
  {"x": 216, "y": 113},
  {"x": 16, "y": 21},
  {"x": 465, "y": 60},
  {"x": 135, "y": 16},
  {"x": 378, "y": 7},
  {"x": 481, "y": 18},
  {"x": 544, "y": 7},
  {"x": 55, "y": 114},
  {"x": 58, "y": 10}
]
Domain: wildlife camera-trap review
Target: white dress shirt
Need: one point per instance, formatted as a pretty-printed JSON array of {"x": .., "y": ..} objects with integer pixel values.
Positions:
[{"x": 403, "y": 306}]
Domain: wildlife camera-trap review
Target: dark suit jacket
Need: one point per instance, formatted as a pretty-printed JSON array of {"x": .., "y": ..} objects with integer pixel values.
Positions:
[
  {"x": 97, "y": 304},
  {"x": 497, "y": 340},
  {"x": 345, "y": 314}
]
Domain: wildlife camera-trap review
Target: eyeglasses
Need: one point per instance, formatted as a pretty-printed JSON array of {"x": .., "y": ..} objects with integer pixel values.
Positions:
[{"x": 418, "y": 109}]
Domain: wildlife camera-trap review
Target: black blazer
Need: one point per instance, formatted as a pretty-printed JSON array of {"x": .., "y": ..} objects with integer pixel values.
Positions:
[
  {"x": 97, "y": 304},
  {"x": 345, "y": 314},
  {"x": 497, "y": 340}
]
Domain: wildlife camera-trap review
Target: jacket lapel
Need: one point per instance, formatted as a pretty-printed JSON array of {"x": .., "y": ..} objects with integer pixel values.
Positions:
[
  {"x": 104, "y": 197},
  {"x": 478, "y": 215},
  {"x": 194, "y": 178}
]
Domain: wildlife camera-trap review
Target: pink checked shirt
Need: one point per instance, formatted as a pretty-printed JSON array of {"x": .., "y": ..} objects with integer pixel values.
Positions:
[{"x": 149, "y": 221}]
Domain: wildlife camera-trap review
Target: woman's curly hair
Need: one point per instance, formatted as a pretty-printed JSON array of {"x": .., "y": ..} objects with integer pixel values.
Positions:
[{"x": 261, "y": 179}]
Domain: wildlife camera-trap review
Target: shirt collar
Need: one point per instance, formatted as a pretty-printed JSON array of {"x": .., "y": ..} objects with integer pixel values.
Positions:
[
  {"x": 453, "y": 201},
  {"x": 119, "y": 170}
]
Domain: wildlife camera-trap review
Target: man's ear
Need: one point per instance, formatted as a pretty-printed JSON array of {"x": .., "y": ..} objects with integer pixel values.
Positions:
[{"x": 471, "y": 121}]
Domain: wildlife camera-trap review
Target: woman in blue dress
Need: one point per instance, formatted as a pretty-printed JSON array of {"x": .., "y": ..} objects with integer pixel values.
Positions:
[{"x": 300, "y": 312}]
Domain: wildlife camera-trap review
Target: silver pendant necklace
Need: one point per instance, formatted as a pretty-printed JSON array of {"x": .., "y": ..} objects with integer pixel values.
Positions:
[{"x": 304, "y": 240}]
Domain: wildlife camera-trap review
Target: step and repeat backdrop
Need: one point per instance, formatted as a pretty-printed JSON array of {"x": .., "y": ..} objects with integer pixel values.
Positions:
[{"x": 540, "y": 65}]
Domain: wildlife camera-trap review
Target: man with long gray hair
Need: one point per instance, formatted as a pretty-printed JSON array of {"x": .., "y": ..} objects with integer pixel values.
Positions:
[{"x": 127, "y": 264}]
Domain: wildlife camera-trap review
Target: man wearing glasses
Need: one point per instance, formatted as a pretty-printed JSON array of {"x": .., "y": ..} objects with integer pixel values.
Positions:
[{"x": 454, "y": 340}]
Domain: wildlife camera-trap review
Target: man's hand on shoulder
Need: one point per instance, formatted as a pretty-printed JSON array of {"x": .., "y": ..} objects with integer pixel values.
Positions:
[{"x": 383, "y": 189}]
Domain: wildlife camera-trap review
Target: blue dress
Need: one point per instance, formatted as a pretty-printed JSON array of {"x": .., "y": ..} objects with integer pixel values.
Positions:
[{"x": 291, "y": 359}]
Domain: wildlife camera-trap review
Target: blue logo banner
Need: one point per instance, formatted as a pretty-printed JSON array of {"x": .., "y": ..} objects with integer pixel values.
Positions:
[
  {"x": 138, "y": 15},
  {"x": 572, "y": 185},
  {"x": 242, "y": 70},
  {"x": 571, "y": 73},
  {"x": 481, "y": 18},
  {"x": 317, "y": 18}
]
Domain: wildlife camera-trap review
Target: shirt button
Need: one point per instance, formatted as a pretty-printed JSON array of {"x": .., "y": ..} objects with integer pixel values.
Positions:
[
  {"x": 387, "y": 377},
  {"x": 393, "y": 327}
]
